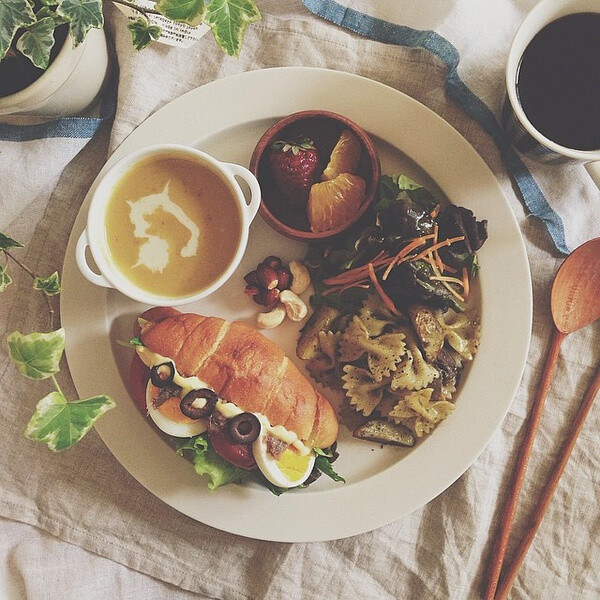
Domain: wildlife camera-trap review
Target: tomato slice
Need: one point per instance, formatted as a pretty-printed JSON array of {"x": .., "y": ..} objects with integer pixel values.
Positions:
[
  {"x": 239, "y": 455},
  {"x": 139, "y": 374}
]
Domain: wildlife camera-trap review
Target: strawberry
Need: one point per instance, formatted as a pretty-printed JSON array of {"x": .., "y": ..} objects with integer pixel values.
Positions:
[{"x": 294, "y": 168}]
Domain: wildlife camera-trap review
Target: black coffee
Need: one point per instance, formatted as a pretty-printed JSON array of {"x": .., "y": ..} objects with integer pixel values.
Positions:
[{"x": 558, "y": 81}]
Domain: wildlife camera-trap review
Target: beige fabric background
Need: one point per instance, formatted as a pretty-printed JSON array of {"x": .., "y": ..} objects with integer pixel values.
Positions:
[{"x": 84, "y": 497}]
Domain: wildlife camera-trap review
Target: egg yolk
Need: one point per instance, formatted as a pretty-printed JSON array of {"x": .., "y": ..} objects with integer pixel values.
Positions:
[{"x": 293, "y": 465}]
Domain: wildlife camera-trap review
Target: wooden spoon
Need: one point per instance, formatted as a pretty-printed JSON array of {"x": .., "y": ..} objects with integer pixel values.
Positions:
[{"x": 575, "y": 303}]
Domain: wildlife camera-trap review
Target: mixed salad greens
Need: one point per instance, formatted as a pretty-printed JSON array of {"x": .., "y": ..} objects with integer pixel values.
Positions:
[
  {"x": 410, "y": 246},
  {"x": 219, "y": 471}
]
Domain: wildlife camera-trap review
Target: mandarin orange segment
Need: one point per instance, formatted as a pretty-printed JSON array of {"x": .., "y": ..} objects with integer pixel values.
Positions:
[
  {"x": 344, "y": 158},
  {"x": 332, "y": 203}
]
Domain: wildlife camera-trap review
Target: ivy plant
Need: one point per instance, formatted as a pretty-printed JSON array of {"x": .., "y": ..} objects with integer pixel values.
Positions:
[
  {"x": 56, "y": 422},
  {"x": 27, "y": 26}
]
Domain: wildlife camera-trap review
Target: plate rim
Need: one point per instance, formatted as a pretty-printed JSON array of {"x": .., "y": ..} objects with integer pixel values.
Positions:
[{"x": 317, "y": 529}]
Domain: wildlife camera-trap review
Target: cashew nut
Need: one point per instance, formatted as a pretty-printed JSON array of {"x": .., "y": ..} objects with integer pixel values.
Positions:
[
  {"x": 294, "y": 306},
  {"x": 271, "y": 319},
  {"x": 300, "y": 277}
]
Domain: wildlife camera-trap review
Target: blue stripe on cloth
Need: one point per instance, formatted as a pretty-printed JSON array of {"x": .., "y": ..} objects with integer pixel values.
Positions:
[
  {"x": 66, "y": 127},
  {"x": 390, "y": 33}
]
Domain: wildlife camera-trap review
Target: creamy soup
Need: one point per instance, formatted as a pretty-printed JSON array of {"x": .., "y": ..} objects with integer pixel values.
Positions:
[{"x": 172, "y": 225}]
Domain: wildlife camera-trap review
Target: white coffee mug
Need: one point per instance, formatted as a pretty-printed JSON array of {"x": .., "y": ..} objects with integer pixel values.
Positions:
[
  {"x": 520, "y": 131},
  {"x": 95, "y": 236}
]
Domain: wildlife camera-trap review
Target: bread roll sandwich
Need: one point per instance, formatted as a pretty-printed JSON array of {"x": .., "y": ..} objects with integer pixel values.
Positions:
[{"x": 230, "y": 397}]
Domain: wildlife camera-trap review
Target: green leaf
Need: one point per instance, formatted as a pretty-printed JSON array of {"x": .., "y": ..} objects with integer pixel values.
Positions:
[
  {"x": 14, "y": 14},
  {"x": 324, "y": 465},
  {"x": 7, "y": 242},
  {"x": 143, "y": 33},
  {"x": 5, "y": 278},
  {"x": 136, "y": 341},
  {"x": 228, "y": 20},
  {"x": 37, "y": 355},
  {"x": 49, "y": 285},
  {"x": 37, "y": 42},
  {"x": 207, "y": 462},
  {"x": 50, "y": 11},
  {"x": 406, "y": 183},
  {"x": 82, "y": 16},
  {"x": 60, "y": 424},
  {"x": 187, "y": 11}
]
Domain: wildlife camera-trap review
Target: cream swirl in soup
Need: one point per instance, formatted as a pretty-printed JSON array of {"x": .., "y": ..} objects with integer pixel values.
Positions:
[{"x": 173, "y": 225}]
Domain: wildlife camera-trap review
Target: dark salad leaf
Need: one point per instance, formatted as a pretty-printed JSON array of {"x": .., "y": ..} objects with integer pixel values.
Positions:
[
  {"x": 402, "y": 212},
  {"x": 458, "y": 220}
]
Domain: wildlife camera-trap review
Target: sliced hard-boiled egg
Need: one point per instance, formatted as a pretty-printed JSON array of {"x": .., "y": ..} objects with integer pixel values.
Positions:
[
  {"x": 168, "y": 416},
  {"x": 291, "y": 470}
]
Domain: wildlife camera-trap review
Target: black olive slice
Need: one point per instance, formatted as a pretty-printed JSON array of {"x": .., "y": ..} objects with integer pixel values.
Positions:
[
  {"x": 163, "y": 374},
  {"x": 243, "y": 428},
  {"x": 198, "y": 404}
]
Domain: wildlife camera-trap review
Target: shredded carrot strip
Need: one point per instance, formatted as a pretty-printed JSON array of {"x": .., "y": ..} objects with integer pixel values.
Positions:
[
  {"x": 447, "y": 242},
  {"x": 357, "y": 273},
  {"x": 386, "y": 299},
  {"x": 343, "y": 288},
  {"x": 403, "y": 252},
  {"x": 448, "y": 279},
  {"x": 466, "y": 283},
  {"x": 443, "y": 280},
  {"x": 435, "y": 212},
  {"x": 436, "y": 254}
]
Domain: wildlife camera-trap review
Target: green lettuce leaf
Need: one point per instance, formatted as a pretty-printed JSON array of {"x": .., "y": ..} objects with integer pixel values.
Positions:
[
  {"x": 37, "y": 355},
  {"x": 49, "y": 285},
  {"x": 143, "y": 33},
  {"x": 190, "y": 12},
  {"x": 14, "y": 14},
  {"x": 324, "y": 465},
  {"x": 208, "y": 463},
  {"x": 36, "y": 43},
  {"x": 228, "y": 20},
  {"x": 7, "y": 242},
  {"x": 60, "y": 424},
  {"x": 82, "y": 16},
  {"x": 5, "y": 278}
]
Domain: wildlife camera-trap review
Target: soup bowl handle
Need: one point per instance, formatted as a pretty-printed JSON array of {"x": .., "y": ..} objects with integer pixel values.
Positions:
[
  {"x": 82, "y": 245},
  {"x": 252, "y": 183}
]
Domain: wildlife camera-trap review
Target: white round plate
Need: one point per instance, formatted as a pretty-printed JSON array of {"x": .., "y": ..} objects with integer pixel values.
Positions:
[{"x": 226, "y": 118}]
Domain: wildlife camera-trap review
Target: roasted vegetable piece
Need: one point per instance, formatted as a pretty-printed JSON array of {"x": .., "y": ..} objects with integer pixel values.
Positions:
[
  {"x": 321, "y": 320},
  {"x": 428, "y": 329},
  {"x": 385, "y": 432}
]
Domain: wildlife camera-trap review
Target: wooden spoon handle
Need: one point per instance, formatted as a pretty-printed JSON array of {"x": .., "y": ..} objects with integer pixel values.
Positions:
[
  {"x": 522, "y": 462},
  {"x": 551, "y": 486}
]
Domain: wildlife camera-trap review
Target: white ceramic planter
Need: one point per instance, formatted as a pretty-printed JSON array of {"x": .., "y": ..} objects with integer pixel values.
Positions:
[{"x": 70, "y": 84}]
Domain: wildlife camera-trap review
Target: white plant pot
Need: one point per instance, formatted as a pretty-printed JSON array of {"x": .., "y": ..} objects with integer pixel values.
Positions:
[{"x": 69, "y": 85}]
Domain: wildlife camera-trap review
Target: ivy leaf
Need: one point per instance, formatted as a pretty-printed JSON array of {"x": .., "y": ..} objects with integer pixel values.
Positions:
[
  {"x": 228, "y": 20},
  {"x": 37, "y": 42},
  {"x": 49, "y": 11},
  {"x": 49, "y": 285},
  {"x": 37, "y": 355},
  {"x": 60, "y": 424},
  {"x": 82, "y": 16},
  {"x": 14, "y": 14},
  {"x": 5, "y": 278},
  {"x": 7, "y": 242},
  {"x": 190, "y": 12},
  {"x": 143, "y": 33}
]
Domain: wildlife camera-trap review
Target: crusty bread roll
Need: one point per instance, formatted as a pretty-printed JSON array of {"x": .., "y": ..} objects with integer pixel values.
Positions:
[{"x": 243, "y": 367}]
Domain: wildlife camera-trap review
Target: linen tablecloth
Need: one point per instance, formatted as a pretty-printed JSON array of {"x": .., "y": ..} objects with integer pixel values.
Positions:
[{"x": 77, "y": 525}]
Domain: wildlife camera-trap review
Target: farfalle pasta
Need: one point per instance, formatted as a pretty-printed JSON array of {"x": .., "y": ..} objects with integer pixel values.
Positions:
[{"x": 402, "y": 368}]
